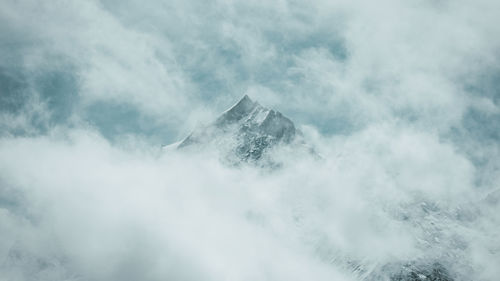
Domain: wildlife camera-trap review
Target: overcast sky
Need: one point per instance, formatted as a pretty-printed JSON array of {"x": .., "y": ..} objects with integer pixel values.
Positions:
[{"x": 402, "y": 99}]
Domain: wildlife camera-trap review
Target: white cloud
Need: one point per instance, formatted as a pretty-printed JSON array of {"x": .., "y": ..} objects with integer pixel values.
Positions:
[
  {"x": 114, "y": 212},
  {"x": 384, "y": 89}
]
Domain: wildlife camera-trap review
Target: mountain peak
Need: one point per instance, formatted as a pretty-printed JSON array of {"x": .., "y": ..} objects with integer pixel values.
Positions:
[
  {"x": 243, "y": 104},
  {"x": 247, "y": 130},
  {"x": 235, "y": 113},
  {"x": 245, "y": 99}
]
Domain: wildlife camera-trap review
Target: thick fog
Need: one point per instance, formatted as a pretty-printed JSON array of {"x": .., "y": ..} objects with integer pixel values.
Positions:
[{"x": 400, "y": 101}]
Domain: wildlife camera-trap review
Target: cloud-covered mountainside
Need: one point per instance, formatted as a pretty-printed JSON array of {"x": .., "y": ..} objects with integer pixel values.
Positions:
[{"x": 389, "y": 171}]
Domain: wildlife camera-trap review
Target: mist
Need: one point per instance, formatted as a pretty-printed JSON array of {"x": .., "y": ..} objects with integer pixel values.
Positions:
[{"x": 400, "y": 102}]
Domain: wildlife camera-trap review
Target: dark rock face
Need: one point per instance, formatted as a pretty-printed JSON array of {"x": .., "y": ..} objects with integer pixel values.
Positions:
[
  {"x": 250, "y": 130},
  {"x": 434, "y": 272}
]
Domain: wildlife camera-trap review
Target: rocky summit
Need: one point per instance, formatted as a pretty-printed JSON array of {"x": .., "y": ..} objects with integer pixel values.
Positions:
[{"x": 247, "y": 131}]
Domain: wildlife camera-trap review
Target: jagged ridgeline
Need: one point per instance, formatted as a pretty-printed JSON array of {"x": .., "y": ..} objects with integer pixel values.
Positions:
[{"x": 246, "y": 132}]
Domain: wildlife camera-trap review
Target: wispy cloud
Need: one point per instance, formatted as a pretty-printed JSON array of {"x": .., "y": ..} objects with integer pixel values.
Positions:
[{"x": 401, "y": 99}]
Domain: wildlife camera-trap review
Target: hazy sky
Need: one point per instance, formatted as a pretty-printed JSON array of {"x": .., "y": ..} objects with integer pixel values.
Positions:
[{"x": 402, "y": 99}]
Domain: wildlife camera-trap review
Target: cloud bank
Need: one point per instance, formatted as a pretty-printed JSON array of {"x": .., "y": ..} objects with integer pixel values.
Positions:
[{"x": 400, "y": 99}]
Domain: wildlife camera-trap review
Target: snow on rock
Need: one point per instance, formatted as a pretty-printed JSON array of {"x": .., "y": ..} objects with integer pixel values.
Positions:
[{"x": 245, "y": 132}]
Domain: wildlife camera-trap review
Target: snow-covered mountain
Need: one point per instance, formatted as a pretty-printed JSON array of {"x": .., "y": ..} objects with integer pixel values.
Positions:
[{"x": 247, "y": 132}]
